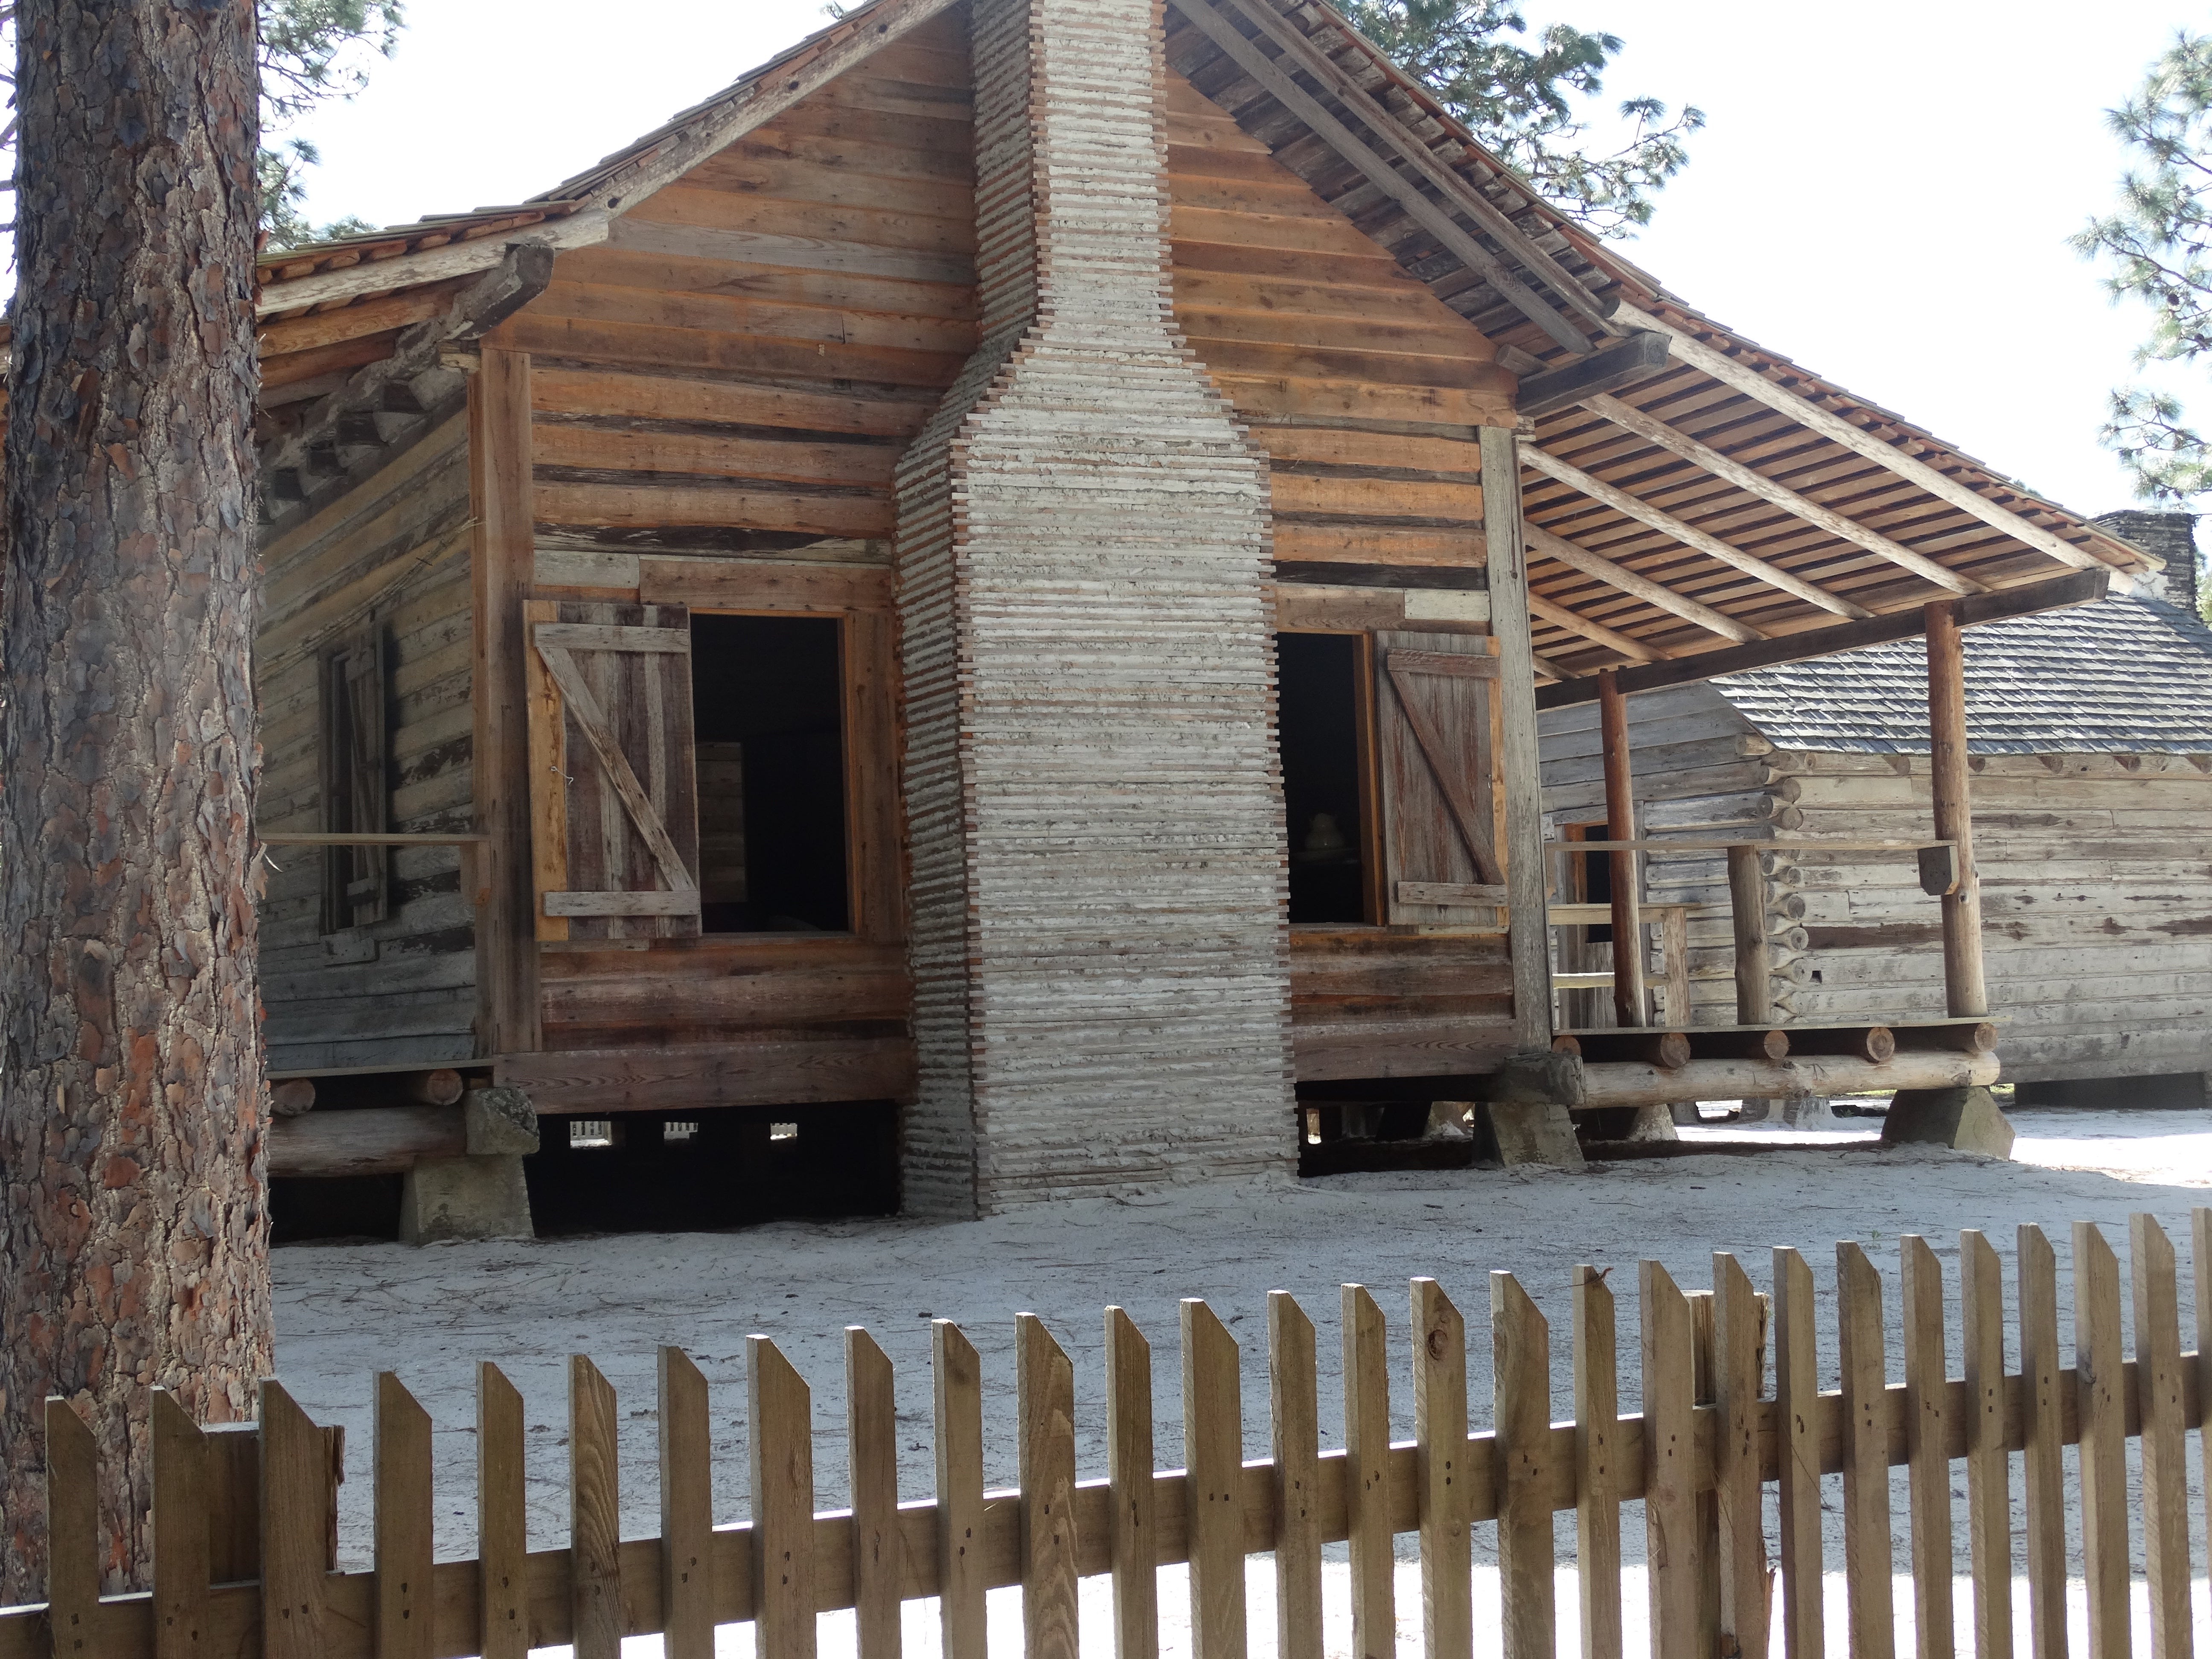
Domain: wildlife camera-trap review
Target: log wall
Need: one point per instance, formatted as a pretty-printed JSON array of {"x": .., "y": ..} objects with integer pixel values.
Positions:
[
  {"x": 2096, "y": 883},
  {"x": 391, "y": 554}
]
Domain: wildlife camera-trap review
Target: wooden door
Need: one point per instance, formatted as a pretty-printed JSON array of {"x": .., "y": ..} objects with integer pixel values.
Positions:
[
  {"x": 1436, "y": 745},
  {"x": 613, "y": 797}
]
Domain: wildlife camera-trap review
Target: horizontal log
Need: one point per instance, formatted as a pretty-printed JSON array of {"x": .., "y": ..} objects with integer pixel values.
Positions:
[
  {"x": 684, "y": 1077},
  {"x": 1624, "y": 363},
  {"x": 2081, "y": 587},
  {"x": 374, "y": 1141},
  {"x": 1980, "y": 1038},
  {"x": 441, "y": 1087},
  {"x": 1632, "y": 1083}
]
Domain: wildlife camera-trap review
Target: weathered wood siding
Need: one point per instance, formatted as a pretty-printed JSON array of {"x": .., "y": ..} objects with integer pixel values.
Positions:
[
  {"x": 721, "y": 394},
  {"x": 2096, "y": 905},
  {"x": 2096, "y": 883},
  {"x": 392, "y": 555}
]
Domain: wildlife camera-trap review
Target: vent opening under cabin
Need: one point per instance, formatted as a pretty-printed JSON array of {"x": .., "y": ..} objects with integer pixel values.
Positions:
[
  {"x": 768, "y": 697},
  {"x": 1319, "y": 716}
]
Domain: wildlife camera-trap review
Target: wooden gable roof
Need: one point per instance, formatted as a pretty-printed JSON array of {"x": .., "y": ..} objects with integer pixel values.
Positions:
[{"x": 1688, "y": 491}]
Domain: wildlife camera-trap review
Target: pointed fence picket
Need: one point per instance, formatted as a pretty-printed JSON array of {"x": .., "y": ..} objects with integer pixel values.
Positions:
[{"x": 243, "y": 1521}]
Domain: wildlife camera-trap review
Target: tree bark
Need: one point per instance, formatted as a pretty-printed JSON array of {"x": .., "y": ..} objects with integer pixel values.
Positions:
[{"x": 133, "y": 1213}]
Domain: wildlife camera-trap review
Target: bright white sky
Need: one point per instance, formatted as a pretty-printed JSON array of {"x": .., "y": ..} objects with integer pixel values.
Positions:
[{"x": 1883, "y": 190}]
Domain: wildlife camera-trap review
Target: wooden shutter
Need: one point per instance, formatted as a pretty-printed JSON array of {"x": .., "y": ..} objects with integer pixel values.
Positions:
[
  {"x": 613, "y": 797},
  {"x": 1435, "y": 715},
  {"x": 356, "y": 880}
]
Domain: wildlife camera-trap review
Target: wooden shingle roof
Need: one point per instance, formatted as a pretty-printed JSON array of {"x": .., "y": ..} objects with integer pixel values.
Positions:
[{"x": 2124, "y": 676}]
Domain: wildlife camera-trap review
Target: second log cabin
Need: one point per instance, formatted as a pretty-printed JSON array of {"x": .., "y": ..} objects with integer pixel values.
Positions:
[{"x": 996, "y": 576}]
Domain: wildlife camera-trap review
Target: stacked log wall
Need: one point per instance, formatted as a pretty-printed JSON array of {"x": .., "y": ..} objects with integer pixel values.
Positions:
[
  {"x": 2096, "y": 905},
  {"x": 2096, "y": 874},
  {"x": 390, "y": 556}
]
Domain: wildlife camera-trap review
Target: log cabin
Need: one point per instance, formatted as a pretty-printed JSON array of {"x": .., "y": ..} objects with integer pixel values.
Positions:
[
  {"x": 994, "y": 579},
  {"x": 2089, "y": 733}
]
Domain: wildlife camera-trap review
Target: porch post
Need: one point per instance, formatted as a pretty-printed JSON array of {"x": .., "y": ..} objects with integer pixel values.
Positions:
[
  {"x": 500, "y": 566},
  {"x": 1630, "y": 1005},
  {"x": 1964, "y": 988},
  {"x": 1528, "y": 936}
]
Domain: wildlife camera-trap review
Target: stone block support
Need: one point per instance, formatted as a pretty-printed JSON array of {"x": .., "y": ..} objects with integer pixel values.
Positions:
[
  {"x": 1093, "y": 799},
  {"x": 1965, "y": 1119}
]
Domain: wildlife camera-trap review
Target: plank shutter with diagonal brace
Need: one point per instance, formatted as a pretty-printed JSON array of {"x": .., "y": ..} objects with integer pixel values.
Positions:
[
  {"x": 1434, "y": 712},
  {"x": 613, "y": 798},
  {"x": 356, "y": 800}
]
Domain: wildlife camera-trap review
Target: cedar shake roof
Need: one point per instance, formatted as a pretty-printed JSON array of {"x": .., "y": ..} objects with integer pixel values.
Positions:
[{"x": 2124, "y": 675}]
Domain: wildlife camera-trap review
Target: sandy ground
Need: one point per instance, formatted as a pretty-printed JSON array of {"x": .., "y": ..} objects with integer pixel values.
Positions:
[{"x": 344, "y": 1312}]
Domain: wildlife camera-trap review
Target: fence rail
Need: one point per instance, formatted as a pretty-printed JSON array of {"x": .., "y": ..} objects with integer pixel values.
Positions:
[{"x": 257, "y": 1507}]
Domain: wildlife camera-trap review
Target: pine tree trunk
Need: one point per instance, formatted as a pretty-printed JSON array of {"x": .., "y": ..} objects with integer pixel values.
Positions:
[{"x": 133, "y": 1215}]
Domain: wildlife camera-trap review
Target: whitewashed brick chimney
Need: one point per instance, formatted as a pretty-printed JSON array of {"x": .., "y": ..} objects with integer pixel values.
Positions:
[{"x": 1093, "y": 798}]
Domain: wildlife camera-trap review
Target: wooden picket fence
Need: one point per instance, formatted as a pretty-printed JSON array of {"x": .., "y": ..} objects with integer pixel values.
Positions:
[{"x": 242, "y": 1522}]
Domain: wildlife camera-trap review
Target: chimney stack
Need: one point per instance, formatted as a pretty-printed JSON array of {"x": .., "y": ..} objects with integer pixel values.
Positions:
[{"x": 2171, "y": 536}]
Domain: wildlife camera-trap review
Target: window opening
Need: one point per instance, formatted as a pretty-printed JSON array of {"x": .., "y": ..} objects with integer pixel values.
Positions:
[
  {"x": 1593, "y": 879},
  {"x": 674, "y": 1131},
  {"x": 783, "y": 1132},
  {"x": 1318, "y": 702},
  {"x": 768, "y": 714}
]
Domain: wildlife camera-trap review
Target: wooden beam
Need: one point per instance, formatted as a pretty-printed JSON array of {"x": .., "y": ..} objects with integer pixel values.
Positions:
[
  {"x": 1542, "y": 541},
  {"x": 1754, "y": 996},
  {"x": 1457, "y": 191},
  {"x": 520, "y": 276},
  {"x": 500, "y": 561},
  {"x": 1654, "y": 430},
  {"x": 1528, "y": 931},
  {"x": 1628, "y": 1083},
  {"x": 1689, "y": 535},
  {"x": 1634, "y": 649},
  {"x": 2080, "y": 588},
  {"x": 1747, "y": 380},
  {"x": 1629, "y": 1004},
  {"x": 1964, "y": 987},
  {"x": 431, "y": 264},
  {"x": 1432, "y": 217},
  {"x": 1639, "y": 357}
]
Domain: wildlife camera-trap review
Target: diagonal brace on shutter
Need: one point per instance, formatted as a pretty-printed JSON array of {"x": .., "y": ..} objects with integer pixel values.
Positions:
[
  {"x": 584, "y": 709},
  {"x": 1403, "y": 667}
]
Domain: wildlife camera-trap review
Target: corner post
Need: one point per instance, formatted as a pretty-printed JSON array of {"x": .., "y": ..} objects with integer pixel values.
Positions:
[
  {"x": 501, "y": 562},
  {"x": 1964, "y": 987},
  {"x": 1630, "y": 1005},
  {"x": 1754, "y": 994},
  {"x": 1527, "y": 925}
]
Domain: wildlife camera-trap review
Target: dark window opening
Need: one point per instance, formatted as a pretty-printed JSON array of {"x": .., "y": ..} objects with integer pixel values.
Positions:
[
  {"x": 767, "y": 714},
  {"x": 1319, "y": 733},
  {"x": 1594, "y": 880}
]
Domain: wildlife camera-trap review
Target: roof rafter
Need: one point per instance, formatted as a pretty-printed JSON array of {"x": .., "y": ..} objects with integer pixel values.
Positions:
[
  {"x": 1456, "y": 190},
  {"x": 1552, "y": 546},
  {"x": 1688, "y": 534},
  {"x": 1652, "y": 429},
  {"x": 1575, "y": 622},
  {"x": 1275, "y": 77},
  {"x": 1746, "y": 379}
]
